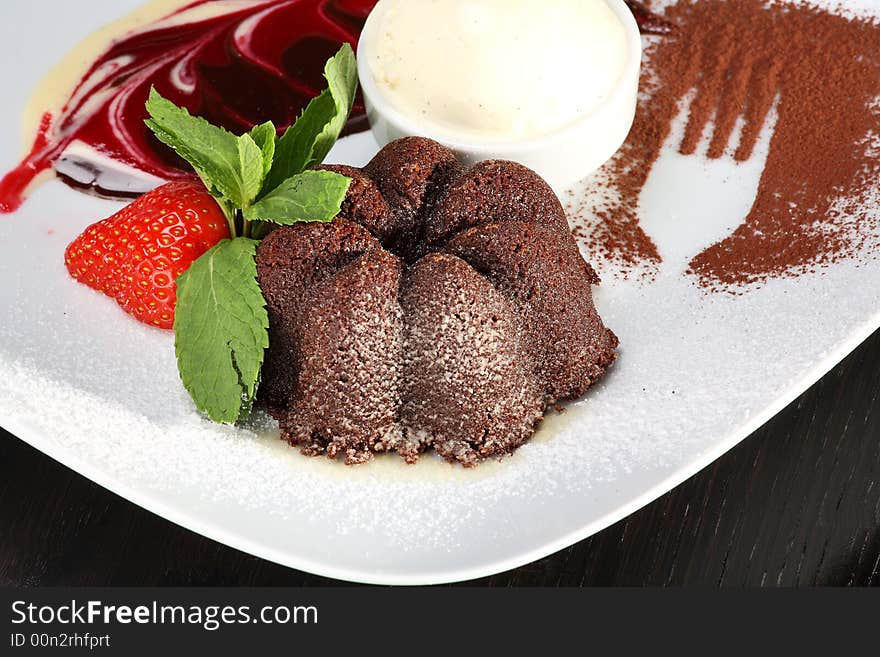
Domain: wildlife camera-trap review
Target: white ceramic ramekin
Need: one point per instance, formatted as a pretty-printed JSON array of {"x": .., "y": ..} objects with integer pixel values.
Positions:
[{"x": 562, "y": 157}]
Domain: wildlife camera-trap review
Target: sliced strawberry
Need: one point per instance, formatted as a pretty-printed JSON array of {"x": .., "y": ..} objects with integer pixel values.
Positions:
[{"x": 136, "y": 255}]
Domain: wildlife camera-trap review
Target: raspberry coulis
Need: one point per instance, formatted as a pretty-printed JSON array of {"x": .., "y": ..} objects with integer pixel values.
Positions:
[{"x": 238, "y": 66}]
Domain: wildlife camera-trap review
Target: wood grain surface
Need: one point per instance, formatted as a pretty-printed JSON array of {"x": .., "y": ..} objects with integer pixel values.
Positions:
[{"x": 796, "y": 504}]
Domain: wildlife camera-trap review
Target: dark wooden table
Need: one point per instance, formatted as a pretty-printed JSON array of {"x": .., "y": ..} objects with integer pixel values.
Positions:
[{"x": 797, "y": 503}]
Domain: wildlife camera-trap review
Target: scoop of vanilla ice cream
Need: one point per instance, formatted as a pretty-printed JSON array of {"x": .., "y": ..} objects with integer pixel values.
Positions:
[{"x": 492, "y": 70}]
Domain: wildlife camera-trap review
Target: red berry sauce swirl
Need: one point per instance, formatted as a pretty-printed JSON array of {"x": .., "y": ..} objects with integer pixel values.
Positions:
[{"x": 240, "y": 64}]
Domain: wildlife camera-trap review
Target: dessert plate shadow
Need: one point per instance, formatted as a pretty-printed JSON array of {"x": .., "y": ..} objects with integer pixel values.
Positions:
[{"x": 698, "y": 372}]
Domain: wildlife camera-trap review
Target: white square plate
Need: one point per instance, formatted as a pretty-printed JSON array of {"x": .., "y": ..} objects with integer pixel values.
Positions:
[{"x": 698, "y": 372}]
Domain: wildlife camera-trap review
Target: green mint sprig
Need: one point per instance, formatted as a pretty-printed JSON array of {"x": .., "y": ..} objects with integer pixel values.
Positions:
[{"x": 221, "y": 323}]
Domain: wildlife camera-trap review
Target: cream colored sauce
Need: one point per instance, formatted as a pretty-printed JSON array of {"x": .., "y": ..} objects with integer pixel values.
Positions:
[{"x": 391, "y": 467}]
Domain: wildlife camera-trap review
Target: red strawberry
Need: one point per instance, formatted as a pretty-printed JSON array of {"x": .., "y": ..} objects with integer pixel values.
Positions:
[{"x": 136, "y": 255}]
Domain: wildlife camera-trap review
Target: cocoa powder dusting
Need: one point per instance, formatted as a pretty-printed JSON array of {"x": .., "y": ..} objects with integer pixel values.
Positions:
[{"x": 735, "y": 63}]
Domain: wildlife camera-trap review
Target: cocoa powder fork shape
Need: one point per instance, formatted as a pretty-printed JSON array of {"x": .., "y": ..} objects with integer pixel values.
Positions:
[{"x": 736, "y": 60}]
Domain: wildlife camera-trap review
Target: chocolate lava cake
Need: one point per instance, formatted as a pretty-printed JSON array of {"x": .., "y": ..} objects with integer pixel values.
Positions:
[{"x": 442, "y": 309}]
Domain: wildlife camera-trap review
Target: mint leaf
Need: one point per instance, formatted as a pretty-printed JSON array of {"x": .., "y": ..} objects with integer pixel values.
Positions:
[
  {"x": 295, "y": 150},
  {"x": 250, "y": 159},
  {"x": 216, "y": 154},
  {"x": 308, "y": 196},
  {"x": 342, "y": 76},
  {"x": 264, "y": 136},
  {"x": 307, "y": 142},
  {"x": 221, "y": 329}
]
